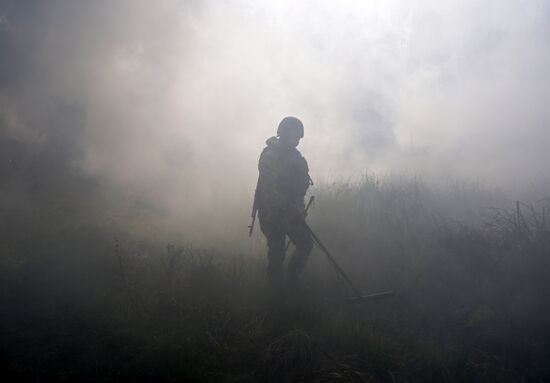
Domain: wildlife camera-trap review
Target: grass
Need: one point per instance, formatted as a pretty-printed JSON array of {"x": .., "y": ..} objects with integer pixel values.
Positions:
[{"x": 91, "y": 302}]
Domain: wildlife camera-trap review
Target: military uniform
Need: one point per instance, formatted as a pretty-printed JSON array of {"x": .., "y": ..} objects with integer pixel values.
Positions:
[{"x": 283, "y": 182}]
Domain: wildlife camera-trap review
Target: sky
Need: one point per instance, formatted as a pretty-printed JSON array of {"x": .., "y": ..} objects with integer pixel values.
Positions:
[{"x": 174, "y": 100}]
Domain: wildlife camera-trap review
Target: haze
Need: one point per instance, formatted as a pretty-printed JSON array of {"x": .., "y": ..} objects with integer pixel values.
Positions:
[{"x": 171, "y": 101}]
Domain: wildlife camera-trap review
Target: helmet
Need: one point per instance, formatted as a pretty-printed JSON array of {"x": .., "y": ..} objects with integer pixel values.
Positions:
[{"x": 290, "y": 123}]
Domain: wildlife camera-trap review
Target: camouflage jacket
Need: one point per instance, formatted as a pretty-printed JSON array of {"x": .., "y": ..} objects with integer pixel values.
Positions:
[{"x": 283, "y": 180}]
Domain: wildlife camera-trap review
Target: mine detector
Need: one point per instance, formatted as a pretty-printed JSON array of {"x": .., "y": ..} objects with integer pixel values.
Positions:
[{"x": 357, "y": 296}]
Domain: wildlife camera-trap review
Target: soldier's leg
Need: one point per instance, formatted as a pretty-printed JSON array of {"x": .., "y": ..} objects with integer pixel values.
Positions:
[
  {"x": 275, "y": 257},
  {"x": 275, "y": 235},
  {"x": 299, "y": 234}
]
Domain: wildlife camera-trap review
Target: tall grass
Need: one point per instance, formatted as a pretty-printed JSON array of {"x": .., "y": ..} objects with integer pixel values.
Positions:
[{"x": 468, "y": 266}]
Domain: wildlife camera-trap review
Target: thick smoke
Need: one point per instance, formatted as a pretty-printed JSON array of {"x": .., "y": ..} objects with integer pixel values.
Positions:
[{"x": 171, "y": 101}]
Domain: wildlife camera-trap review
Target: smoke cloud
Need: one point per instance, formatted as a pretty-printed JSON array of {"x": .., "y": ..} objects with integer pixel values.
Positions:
[{"x": 172, "y": 100}]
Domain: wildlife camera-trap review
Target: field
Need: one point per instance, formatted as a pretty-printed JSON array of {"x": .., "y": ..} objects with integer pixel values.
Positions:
[{"x": 83, "y": 299}]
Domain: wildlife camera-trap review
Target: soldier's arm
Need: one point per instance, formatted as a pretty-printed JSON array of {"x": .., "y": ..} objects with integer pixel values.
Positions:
[{"x": 303, "y": 178}]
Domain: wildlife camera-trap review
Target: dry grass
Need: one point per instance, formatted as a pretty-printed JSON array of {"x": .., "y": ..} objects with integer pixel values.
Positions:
[{"x": 471, "y": 298}]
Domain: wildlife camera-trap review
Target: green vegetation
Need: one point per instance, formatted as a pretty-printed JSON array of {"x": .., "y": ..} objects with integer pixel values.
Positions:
[{"x": 82, "y": 301}]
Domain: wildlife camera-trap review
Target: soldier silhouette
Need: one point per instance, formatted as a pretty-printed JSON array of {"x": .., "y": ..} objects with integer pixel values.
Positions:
[{"x": 282, "y": 184}]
